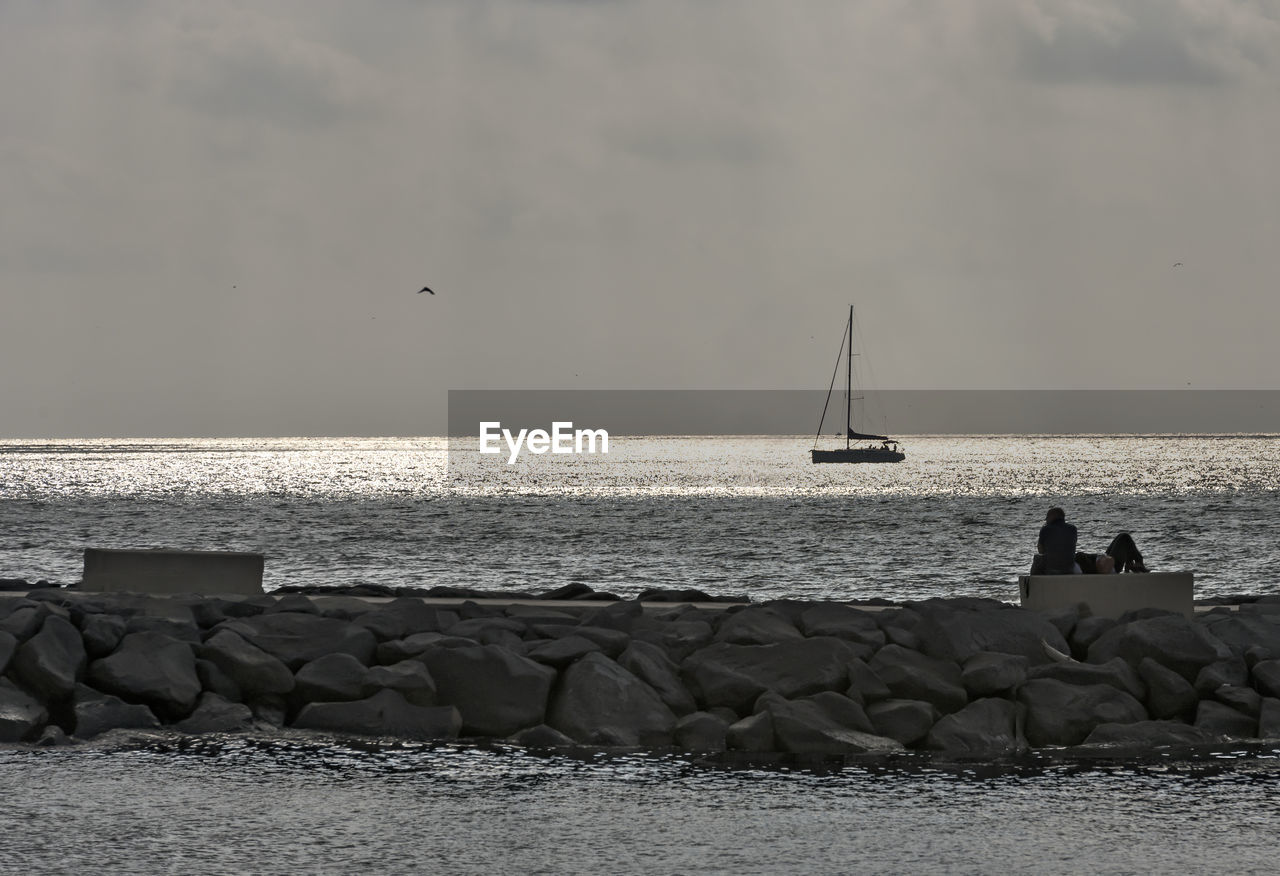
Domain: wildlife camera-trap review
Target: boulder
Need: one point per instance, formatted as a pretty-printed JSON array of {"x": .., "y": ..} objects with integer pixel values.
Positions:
[
  {"x": 295, "y": 602},
  {"x": 616, "y": 616},
  {"x": 701, "y": 731},
  {"x": 956, "y": 635},
  {"x": 406, "y": 617},
  {"x": 756, "y": 625},
  {"x": 24, "y": 621},
  {"x": 1269, "y": 718},
  {"x": 735, "y": 675},
  {"x": 1115, "y": 672},
  {"x": 911, "y": 675},
  {"x": 296, "y": 639},
  {"x": 409, "y": 677},
  {"x": 907, "y": 721},
  {"x": 214, "y": 679},
  {"x": 752, "y": 733},
  {"x": 650, "y": 664},
  {"x": 8, "y": 647},
  {"x": 842, "y": 622},
  {"x": 842, "y": 709},
  {"x": 402, "y": 649},
  {"x": 984, "y": 728},
  {"x": 1216, "y": 717},
  {"x": 559, "y": 653},
  {"x": 1087, "y": 631},
  {"x": 51, "y": 662},
  {"x": 804, "y": 727},
  {"x": 22, "y": 716},
  {"x": 337, "y": 677},
  {"x": 52, "y": 735},
  {"x": 1242, "y": 699},
  {"x": 1265, "y": 674},
  {"x": 611, "y": 642},
  {"x": 1169, "y": 695},
  {"x": 1215, "y": 675},
  {"x": 1171, "y": 640},
  {"x": 542, "y": 736},
  {"x": 598, "y": 699},
  {"x": 182, "y": 629},
  {"x": 475, "y": 628},
  {"x": 96, "y": 712},
  {"x": 101, "y": 634},
  {"x": 150, "y": 668},
  {"x": 1146, "y": 735},
  {"x": 679, "y": 638},
  {"x": 864, "y": 685},
  {"x": 989, "y": 673},
  {"x": 214, "y": 714},
  {"x": 1065, "y": 714},
  {"x": 386, "y": 713},
  {"x": 1240, "y": 632},
  {"x": 497, "y": 692},
  {"x": 253, "y": 670}
]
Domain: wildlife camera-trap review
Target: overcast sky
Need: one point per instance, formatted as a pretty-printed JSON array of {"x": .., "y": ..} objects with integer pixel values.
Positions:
[{"x": 216, "y": 215}]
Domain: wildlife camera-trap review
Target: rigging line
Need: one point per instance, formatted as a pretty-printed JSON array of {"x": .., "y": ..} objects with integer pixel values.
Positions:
[
  {"x": 873, "y": 408},
  {"x": 830, "y": 388}
]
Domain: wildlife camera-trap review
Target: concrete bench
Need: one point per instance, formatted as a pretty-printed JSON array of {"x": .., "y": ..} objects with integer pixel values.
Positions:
[
  {"x": 1109, "y": 595},
  {"x": 172, "y": 572}
]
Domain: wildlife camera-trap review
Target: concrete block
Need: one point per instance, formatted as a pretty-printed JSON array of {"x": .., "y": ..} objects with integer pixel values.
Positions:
[
  {"x": 1109, "y": 595},
  {"x": 172, "y": 571}
]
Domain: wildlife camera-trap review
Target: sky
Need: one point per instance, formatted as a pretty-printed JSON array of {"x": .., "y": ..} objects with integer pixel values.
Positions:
[{"x": 216, "y": 215}]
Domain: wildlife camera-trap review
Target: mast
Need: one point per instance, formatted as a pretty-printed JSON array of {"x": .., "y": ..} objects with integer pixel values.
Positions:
[{"x": 848, "y": 386}]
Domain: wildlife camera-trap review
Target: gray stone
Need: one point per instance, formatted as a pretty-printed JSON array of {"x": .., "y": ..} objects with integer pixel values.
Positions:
[
  {"x": 984, "y": 728},
  {"x": 52, "y": 736},
  {"x": 409, "y": 677},
  {"x": 295, "y": 639},
  {"x": 51, "y": 662},
  {"x": 215, "y": 680},
  {"x": 295, "y": 602},
  {"x": 650, "y": 664},
  {"x": 1266, "y": 677},
  {"x": 96, "y": 712},
  {"x": 150, "y": 668},
  {"x": 8, "y": 647},
  {"x": 25, "y": 621},
  {"x": 1115, "y": 672},
  {"x": 911, "y": 675},
  {"x": 477, "y": 628},
  {"x": 496, "y": 691},
  {"x": 701, "y": 731},
  {"x": 1065, "y": 714},
  {"x": 402, "y": 618},
  {"x": 596, "y": 694},
  {"x": 1146, "y": 735},
  {"x": 1215, "y": 675},
  {"x": 1240, "y": 632},
  {"x": 542, "y": 736},
  {"x": 386, "y": 713},
  {"x": 956, "y": 635},
  {"x": 22, "y": 716},
  {"x": 1173, "y": 641},
  {"x": 336, "y": 677},
  {"x": 101, "y": 634},
  {"x": 735, "y": 675},
  {"x": 214, "y": 714},
  {"x": 1087, "y": 631},
  {"x": 1169, "y": 695},
  {"x": 184, "y": 630},
  {"x": 804, "y": 727},
  {"x": 907, "y": 721},
  {"x": 1218, "y": 718},
  {"x": 842, "y": 622},
  {"x": 622, "y": 615},
  {"x": 1269, "y": 718},
  {"x": 989, "y": 673},
  {"x": 752, "y": 733},
  {"x": 842, "y": 709},
  {"x": 402, "y": 649},
  {"x": 679, "y": 638},
  {"x": 864, "y": 685},
  {"x": 253, "y": 670},
  {"x": 611, "y": 642},
  {"x": 1242, "y": 699},
  {"x": 756, "y": 625},
  {"x": 559, "y": 653}
]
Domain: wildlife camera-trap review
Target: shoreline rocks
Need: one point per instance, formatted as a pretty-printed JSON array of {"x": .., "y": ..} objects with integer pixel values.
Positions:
[{"x": 967, "y": 678}]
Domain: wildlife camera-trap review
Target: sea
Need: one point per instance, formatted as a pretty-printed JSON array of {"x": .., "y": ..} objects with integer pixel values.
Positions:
[{"x": 745, "y": 516}]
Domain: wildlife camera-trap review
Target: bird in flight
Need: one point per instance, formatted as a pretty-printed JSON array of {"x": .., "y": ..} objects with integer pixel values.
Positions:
[
  {"x": 1177, "y": 264},
  {"x": 425, "y": 289}
]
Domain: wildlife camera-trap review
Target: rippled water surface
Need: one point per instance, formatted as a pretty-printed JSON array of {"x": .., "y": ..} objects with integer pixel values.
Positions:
[{"x": 726, "y": 515}]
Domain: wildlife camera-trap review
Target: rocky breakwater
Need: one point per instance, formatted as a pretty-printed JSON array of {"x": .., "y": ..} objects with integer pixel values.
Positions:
[{"x": 967, "y": 677}]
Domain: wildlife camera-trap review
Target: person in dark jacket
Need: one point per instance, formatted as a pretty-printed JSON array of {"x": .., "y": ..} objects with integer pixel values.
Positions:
[{"x": 1056, "y": 547}]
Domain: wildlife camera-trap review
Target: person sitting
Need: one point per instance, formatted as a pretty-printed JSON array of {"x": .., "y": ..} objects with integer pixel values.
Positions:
[
  {"x": 1056, "y": 547},
  {"x": 1122, "y": 556}
]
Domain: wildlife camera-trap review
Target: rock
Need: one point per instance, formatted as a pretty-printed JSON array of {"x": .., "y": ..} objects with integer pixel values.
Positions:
[
  {"x": 1240, "y": 632},
  {"x": 1172, "y": 641},
  {"x": 842, "y": 709},
  {"x": 52, "y": 736},
  {"x": 753, "y": 733},
  {"x": 101, "y": 634},
  {"x": 596, "y": 694},
  {"x": 335, "y": 677},
  {"x": 294, "y": 602},
  {"x": 1064, "y": 714},
  {"x": 616, "y": 616},
  {"x": 51, "y": 662},
  {"x": 611, "y": 642},
  {"x": 403, "y": 649},
  {"x": 22, "y": 716},
  {"x": 295, "y": 639},
  {"x": 270, "y": 709},
  {"x": 8, "y": 647},
  {"x": 542, "y": 736},
  {"x": 24, "y": 621},
  {"x": 1146, "y": 735},
  {"x": 214, "y": 714},
  {"x": 735, "y": 675},
  {"x": 679, "y": 638},
  {"x": 755, "y": 625},
  {"x": 650, "y": 664},
  {"x": 907, "y": 721},
  {"x": 184, "y": 630},
  {"x": 496, "y": 691},
  {"x": 1115, "y": 672},
  {"x": 989, "y": 673},
  {"x": 559, "y": 653},
  {"x": 1269, "y": 718},
  {"x": 1242, "y": 699},
  {"x": 1087, "y": 631},
  {"x": 985, "y": 728},
  {"x": 804, "y": 727},
  {"x": 864, "y": 685},
  {"x": 1169, "y": 695},
  {"x": 349, "y": 608},
  {"x": 96, "y": 712},
  {"x": 1215, "y": 675},
  {"x": 842, "y": 622},
  {"x": 254, "y": 671},
  {"x": 386, "y": 713},
  {"x": 150, "y": 668},
  {"x": 409, "y": 677},
  {"x": 701, "y": 731},
  {"x": 216, "y": 681},
  {"x": 956, "y": 635},
  {"x": 487, "y": 626},
  {"x": 1218, "y": 718},
  {"x": 1265, "y": 673},
  {"x": 911, "y": 675}
]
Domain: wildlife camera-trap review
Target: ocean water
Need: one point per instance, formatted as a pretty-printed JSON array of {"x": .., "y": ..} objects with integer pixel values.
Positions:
[
  {"x": 725, "y": 515},
  {"x": 742, "y": 515}
]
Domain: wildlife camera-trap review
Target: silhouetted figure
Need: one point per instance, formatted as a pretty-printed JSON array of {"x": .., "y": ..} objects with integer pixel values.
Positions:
[
  {"x": 1056, "y": 547},
  {"x": 425, "y": 289},
  {"x": 1122, "y": 556}
]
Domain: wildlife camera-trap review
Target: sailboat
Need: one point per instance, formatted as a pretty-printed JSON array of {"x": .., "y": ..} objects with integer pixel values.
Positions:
[{"x": 888, "y": 449}]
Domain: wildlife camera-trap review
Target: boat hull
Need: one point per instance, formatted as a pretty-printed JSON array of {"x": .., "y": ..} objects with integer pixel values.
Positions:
[{"x": 858, "y": 454}]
